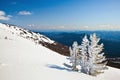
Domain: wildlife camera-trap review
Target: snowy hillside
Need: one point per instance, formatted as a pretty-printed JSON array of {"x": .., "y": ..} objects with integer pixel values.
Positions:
[
  {"x": 36, "y": 38},
  {"x": 22, "y": 59}
]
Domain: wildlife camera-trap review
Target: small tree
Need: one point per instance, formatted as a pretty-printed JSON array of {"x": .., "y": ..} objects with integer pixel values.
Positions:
[
  {"x": 74, "y": 58},
  {"x": 96, "y": 60},
  {"x": 84, "y": 55}
]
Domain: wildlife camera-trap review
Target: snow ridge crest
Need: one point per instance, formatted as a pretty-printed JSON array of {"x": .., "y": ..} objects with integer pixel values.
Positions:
[{"x": 36, "y": 37}]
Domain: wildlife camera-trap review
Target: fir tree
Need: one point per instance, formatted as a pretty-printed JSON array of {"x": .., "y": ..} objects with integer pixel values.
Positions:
[
  {"x": 74, "y": 59},
  {"x": 84, "y": 55},
  {"x": 96, "y": 59}
]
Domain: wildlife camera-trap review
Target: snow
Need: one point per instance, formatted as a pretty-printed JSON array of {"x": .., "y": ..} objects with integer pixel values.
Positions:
[
  {"x": 25, "y": 33},
  {"x": 22, "y": 59}
]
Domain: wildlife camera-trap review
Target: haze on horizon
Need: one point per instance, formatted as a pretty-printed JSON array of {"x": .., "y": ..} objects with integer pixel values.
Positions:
[{"x": 62, "y": 14}]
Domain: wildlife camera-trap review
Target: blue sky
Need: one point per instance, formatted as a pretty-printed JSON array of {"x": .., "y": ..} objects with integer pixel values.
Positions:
[{"x": 62, "y": 14}]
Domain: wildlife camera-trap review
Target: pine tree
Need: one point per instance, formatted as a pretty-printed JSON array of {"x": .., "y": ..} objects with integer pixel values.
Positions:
[
  {"x": 89, "y": 55},
  {"x": 74, "y": 51},
  {"x": 84, "y": 55},
  {"x": 96, "y": 59}
]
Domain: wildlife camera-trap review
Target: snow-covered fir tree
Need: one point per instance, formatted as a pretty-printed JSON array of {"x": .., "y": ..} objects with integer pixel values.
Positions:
[
  {"x": 74, "y": 58},
  {"x": 96, "y": 58},
  {"x": 89, "y": 55},
  {"x": 84, "y": 55}
]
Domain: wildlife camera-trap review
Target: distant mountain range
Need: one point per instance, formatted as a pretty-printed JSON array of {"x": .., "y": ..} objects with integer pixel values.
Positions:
[{"x": 111, "y": 39}]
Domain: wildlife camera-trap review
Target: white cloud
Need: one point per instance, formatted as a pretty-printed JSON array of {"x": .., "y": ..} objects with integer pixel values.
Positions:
[
  {"x": 3, "y": 16},
  {"x": 106, "y": 27},
  {"x": 109, "y": 27},
  {"x": 2, "y": 13},
  {"x": 30, "y": 25},
  {"x": 24, "y": 13}
]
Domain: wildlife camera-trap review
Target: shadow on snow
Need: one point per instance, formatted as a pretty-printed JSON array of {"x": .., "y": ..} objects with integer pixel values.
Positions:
[{"x": 58, "y": 67}]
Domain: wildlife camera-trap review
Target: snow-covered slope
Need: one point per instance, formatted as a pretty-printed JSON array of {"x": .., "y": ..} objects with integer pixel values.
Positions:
[
  {"x": 38, "y": 38},
  {"x": 21, "y": 59}
]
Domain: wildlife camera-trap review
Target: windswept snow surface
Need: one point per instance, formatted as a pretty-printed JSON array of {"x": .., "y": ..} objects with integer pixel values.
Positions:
[{"x": 22, "y": 59}]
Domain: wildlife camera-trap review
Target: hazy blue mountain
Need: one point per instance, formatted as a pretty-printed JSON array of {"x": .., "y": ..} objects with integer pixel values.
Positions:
[{"x": 111, "y": 39}]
